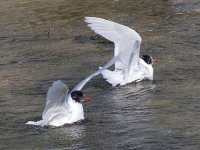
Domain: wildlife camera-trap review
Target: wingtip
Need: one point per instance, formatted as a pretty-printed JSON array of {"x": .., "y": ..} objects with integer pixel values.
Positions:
[{"x": 88, "y": 17}]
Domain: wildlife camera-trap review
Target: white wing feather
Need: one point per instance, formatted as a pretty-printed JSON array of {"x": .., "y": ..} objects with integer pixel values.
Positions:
[
  {"x": 127, "y": 41},
  {"x": 80, "y": 85},
  {"x": 55, "y": 101}
]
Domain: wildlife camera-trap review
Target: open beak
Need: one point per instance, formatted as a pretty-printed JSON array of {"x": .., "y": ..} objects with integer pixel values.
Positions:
[
  {"x": 154, "y": 61},
  {"x": 85, "y": 99}
]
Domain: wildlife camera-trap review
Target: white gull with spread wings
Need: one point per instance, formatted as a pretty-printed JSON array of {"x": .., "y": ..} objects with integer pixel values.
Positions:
[
  {"x": 128, "y": 66},
  {"x": 64, "y": 107}
]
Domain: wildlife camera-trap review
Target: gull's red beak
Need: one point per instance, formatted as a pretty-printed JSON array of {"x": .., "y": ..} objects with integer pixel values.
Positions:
[
  {"x": 154, "y": 61},
  {"x": 86, "y": 99}
]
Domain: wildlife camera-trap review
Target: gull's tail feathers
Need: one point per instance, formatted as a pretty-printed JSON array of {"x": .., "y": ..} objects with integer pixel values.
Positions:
[
  {"x": 34, "y": 123},
  {"x": 113, "y": 77}
]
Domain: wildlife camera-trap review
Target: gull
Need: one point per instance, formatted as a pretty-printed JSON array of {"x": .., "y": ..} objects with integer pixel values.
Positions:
[{"x": 129, "y": 67}]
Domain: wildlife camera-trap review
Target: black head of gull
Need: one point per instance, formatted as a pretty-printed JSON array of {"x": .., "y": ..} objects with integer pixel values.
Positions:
[
  {"x": 79, "y": 97},
  {"x": 149, "y": 60}
]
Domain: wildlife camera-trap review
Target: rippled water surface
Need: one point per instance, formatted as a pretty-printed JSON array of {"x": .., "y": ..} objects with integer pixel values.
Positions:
[{"x": 42, "y": 41}]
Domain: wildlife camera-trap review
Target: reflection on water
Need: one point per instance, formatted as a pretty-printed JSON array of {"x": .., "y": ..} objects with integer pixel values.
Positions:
[
  {"x": 163, "y": 114},
  {"x": 133, "y": 90},
  {"x": 69, "y": 137}
]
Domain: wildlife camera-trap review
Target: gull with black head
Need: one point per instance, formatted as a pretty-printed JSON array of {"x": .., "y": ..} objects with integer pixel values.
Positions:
[
  {"x": 128, "y": 66},
  {"x": 65, "y": 107}
]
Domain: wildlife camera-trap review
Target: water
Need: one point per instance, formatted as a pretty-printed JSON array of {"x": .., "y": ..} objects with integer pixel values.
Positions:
[{"x": 43, "y": 41}]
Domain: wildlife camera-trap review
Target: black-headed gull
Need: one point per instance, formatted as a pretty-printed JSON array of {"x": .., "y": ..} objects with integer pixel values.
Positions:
[
  {"x": 64, "y": 107},
  {"x": 128, "y": 66},
  {"x": 61, "y": 108}
]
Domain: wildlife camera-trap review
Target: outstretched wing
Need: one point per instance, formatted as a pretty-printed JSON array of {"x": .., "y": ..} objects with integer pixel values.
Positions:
[
  {"x": 127, "y": 41},
  {"x": 55, "y": 99},
  {"x": 80, "y": 85}
]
